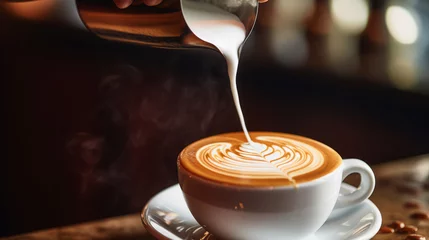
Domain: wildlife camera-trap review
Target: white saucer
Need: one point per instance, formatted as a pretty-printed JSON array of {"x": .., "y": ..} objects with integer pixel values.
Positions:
[{"x": 166, "y": 216}]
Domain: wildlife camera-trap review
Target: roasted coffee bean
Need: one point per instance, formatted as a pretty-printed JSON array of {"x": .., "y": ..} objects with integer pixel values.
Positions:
[
  {"x": 385, "y": 230},
  {"x": 420, "y": 215},
  {"x": 412, "y": 205},
  {"x": 415, "y": 237},
  {"x": 407, "y": 230},
  {"x": 397, "y": 225}
]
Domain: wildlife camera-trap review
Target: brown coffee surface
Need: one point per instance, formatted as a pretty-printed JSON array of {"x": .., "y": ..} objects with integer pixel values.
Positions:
[{"x": 275, "y": 159}]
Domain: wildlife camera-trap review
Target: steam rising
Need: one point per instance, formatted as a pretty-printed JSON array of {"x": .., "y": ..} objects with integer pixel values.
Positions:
[{"x": 143, "y": 121}]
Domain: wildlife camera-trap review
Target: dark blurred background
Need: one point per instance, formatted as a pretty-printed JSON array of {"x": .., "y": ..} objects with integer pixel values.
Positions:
[{"x": 92, "y": 127}]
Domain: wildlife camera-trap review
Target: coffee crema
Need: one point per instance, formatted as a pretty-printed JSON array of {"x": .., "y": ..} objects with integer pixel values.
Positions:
[{"x": 272, "y": 159}]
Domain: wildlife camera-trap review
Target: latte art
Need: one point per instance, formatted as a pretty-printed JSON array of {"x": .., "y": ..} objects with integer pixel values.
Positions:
[
  {"x": 272, "y": 158},
  {"x": 267, "y": 157}
]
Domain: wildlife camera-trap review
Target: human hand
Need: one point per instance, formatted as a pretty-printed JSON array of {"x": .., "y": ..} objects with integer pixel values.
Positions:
[{"x": 127, "y": 3}]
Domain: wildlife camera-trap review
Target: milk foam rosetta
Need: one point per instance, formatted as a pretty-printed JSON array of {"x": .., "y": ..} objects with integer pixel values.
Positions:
[{"x": 273, "y": 159}]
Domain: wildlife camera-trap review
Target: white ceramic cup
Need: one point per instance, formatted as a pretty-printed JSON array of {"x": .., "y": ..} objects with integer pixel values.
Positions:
[{"x": 278, "y": 212}]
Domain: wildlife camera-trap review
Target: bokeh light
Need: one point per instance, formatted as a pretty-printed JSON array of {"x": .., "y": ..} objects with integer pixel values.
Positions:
[
  {"x": 350, "y": 16},
  {"x": 402, "y": 24}
]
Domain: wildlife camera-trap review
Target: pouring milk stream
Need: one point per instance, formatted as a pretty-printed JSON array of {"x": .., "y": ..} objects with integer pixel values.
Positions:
[{"x": 227, "y": 33}]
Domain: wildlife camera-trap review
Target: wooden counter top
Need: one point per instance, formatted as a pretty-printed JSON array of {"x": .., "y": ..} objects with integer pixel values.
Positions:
[{"x": 397, "y": 183}]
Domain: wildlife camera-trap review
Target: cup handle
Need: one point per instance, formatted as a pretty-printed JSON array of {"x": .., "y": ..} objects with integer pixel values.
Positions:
[{"x": 367, "y": 183}]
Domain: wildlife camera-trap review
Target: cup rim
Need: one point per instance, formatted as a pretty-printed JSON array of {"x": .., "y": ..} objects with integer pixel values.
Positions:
[{"x": 219, "y": 184}]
